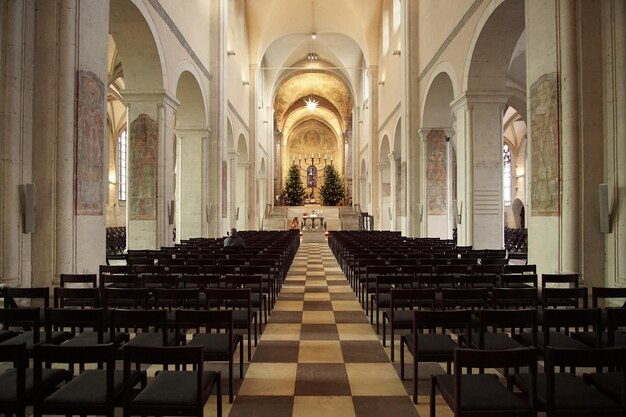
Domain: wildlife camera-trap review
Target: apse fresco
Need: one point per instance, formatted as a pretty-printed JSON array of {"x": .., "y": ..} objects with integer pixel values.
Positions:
[
  {"x": 544, "y": 134},
  {"x": 143, "y": 154},
  {"x": 312, "y": 138},
  {"x": 90, "y": 145},
  {"x": 436, "y": 172}
]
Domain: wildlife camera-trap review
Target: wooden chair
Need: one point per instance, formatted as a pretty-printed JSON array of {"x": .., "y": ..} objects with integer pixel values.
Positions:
[
  {"x": 76, "y": 297},
  {"x": 437, "y": 345},
  {"x": 483, "y": 394},
  {"x": 400, "y": 312},
  {"x": 141, "y": 328},
  {"x": 17, "y": 383},
  {"x": 381, "y": 298},
  {"x": 79, "y": 281},
  {"x": 500, "y": 329},
  {"x": 92, "y": 391},
  {"x": 240, "y": 302},
  {"x": 172, "y": 392},
  {"x": 27, "y": 319},
  {"x": 565, "y": 394},
  {"x": 213, "y": 331}
]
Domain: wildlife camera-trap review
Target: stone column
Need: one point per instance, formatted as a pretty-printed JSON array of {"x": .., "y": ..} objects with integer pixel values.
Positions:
[
  {"x": 191, "y": 202},
  {"x": 614, "y": 53},
  {"x": 243, "y": 183},
  {"x": 150, "y": 167},
  {"x": 465, "y": 171},
  {"x": 232, "y": 184},
  {"x": 394, "y": 166},
  {"x": 16, "y": 48},
  {"x": 384, "y": 221},
  {"x": 411, "y": 144},
  {"x": 254, "y": 211},
  {"x": 420, "y": 210},
  {"x": 375, "y": 196},
  {"x": 570, "y": 138},
  {"x": 487, "y": 160}
]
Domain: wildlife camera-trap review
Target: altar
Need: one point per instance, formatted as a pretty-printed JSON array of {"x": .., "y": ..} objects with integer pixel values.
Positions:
[{"x": 313, "y": 218}]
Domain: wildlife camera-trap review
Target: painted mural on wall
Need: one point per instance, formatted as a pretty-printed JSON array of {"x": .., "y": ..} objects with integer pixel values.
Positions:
[
  {"x": 545, "y": 146},
  {"x": 143, "y": 155},
  {"x": 90, "y": 145},
  {"x": 436, "y": 172}
]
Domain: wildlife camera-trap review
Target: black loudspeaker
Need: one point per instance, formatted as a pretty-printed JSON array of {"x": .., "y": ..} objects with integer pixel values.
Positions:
[
  {"x": 171, "y": 209},
  {"x": 28, "y": 196},
  {"x": 605, "y": 214}
]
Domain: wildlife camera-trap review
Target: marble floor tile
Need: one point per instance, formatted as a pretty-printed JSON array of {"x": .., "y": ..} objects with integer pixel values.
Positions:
[
  {"x": 270, "y": 379},
  {"x": 374, "y": 379},
  {"x": 322, "y": 379},
  {"x": 320, "y": 351},
  {"x": 326, "y": 406}
]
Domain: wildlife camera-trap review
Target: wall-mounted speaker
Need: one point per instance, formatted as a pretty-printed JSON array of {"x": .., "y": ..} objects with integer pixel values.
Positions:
[
  {"x": 28, "y": 196},
  {"x": 171, "y": 210},
  {"x": 605, "y": 213},
  {"x": 237, "y": 214}
]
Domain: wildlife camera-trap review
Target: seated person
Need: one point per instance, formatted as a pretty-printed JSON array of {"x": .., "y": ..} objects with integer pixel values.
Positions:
[
  {"x": 234, "y": 240},
  {"x": 295, "y": 224}
]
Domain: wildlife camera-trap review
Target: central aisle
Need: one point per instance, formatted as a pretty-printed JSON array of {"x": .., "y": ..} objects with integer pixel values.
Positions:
[{"x": 318, "y": 355}]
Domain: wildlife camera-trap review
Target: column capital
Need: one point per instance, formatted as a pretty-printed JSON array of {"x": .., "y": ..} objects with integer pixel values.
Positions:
[
  {"x": 469, "y": 99},
  {"x": 146, "y": 96},
  {"x": 382, "y": 165},
  {"x": 192, "y": 131},
  {"x": 233, "y": 155},
  {"x": 394, "y": 156}
]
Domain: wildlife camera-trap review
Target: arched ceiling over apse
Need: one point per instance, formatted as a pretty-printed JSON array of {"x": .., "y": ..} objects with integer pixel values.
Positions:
[{"x": 329, "y": 91}]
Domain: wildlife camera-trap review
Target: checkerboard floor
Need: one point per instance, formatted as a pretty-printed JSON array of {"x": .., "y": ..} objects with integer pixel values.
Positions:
[{"x": 319, "y": 356}]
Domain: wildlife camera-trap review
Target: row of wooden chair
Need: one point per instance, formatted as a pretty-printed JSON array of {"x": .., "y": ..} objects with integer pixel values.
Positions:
[{"x": 61, "y": 390}]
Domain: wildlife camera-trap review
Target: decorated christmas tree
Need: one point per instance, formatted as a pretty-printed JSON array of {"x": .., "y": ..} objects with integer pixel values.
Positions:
[
  {"x": 293, "y": 194},
  {"x": 333, "y": 189}
]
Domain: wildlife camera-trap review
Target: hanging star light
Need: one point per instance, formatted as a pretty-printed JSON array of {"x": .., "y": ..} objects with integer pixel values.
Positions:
[{"x": 311, "y": 104}]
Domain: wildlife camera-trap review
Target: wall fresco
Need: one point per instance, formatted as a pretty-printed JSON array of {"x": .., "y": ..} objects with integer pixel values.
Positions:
[
  {"x": 436, "y": 172},
  {"x": 545, "y": 137},
  {"x": 143, "y": 154},
  {"x": 90, "y": 117}
]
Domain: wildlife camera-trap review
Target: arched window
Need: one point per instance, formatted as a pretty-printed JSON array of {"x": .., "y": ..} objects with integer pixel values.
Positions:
[
  {"x": 506, "y": 179},
  {"x": 121, "y": 166}
]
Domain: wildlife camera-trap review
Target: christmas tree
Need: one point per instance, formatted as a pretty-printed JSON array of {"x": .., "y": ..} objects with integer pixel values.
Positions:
[
  {"x": 293, "y": 194},
  {"x": 333, "y": 190}
]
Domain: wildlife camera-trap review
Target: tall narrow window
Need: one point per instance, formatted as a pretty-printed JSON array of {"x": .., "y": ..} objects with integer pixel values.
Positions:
[
  {"x": 121, "y": 165},
  {"x": 506, "y": 180}
]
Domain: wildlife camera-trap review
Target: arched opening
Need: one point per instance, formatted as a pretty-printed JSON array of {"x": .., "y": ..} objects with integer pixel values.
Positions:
[
  {"x": 135, "y": 65},
  {"x": 438, "y": 133},
  {"x": 363, "y": 185},
  {"x": 190, "y": 151}
]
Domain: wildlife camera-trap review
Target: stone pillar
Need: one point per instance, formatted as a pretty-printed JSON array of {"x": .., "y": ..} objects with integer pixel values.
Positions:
[
  {"x": 394, "y": 166},
  {"x": 465, "y": 171},
  {"x": 411, "y": 143},
  {"x": 16, "y": 48},
  {"x": 375, "y": 197},
  {"x": 570, "y": 138},
  {"x": 384, "y": 221},
  {"x": 232, "y": 184},
  {"x": 217, "y": 111},
  {"x": 614, "y": 64},
  {"x": 191, "y": 202},
  {"x": 150, "y": 168},
  {"x": 254, "y": 212},
  {"x": 243, "y": 184},
  {"x": 487, "y": 160},
  {"x": 421, "y": 209}
]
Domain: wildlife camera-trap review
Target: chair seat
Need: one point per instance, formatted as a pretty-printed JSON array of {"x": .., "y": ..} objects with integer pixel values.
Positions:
[
  {"x": 214, "y": 345},
  {"x": 608, "y": 383},
  {"x": 402, "y": 319},
  {"x": 240, "y": 318},
  {"x": 481, "y": 392},
  {"x": 151, "y": 339},
  {"x": 496, "y": 341},
  {"x": 589, "y": 338},
  {"x": 91, "y": 338},
  {"x": 556, "y": 340},
  {"x": 28, "y": 339},
  {"x": 90, "y": 387},
  {"x": 570, "y": 392},
  {"x": 6, "y": 334},
  {"x": 50, "y": 378},
  {"x": 432, "y": 344},
  {"x": 175, "y": 388}
]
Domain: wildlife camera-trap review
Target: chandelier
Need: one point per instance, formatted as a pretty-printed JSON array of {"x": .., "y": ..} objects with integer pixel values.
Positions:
[{"x": 311, "y": 104}]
